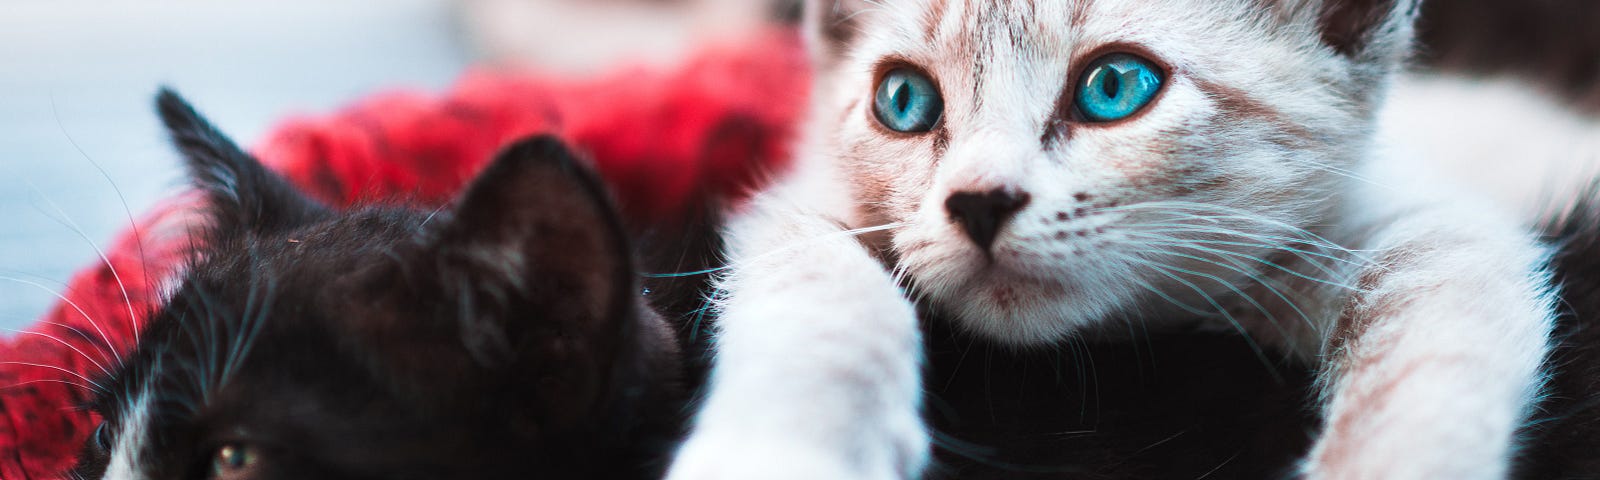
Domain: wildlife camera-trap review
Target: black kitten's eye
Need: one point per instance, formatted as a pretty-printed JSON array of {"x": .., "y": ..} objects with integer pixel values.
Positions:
[
  {"x": 234, "y": 461},
  {"x": 102, "y": 437}
]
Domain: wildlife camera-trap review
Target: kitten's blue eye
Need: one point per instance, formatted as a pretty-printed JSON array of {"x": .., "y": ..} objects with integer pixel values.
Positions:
[
  {"x": 1116, "y": 86},
  {"x": 907, "y": 101}
]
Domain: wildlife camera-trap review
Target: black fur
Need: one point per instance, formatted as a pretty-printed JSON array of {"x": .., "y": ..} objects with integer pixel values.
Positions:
[
  {"x": 502, "y": 337},
  {"x": 1350, "y": 26},
  {"x": 1563, "y": 439},
  {"x": 1552, "y": 42},
  {"x": 1178, "y": 404}
]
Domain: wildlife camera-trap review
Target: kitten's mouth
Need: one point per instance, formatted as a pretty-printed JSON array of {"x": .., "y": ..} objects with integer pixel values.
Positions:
[
  {"x": 1004, "y": 266},
  {"x": 1009, "y": 287},
  {"x": 1015, "y": 297},
  {"x": 1003, "y": 296},
  {"x": 1012, "y": 308}
]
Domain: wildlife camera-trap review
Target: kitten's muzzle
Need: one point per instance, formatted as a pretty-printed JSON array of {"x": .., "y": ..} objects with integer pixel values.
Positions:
[{"x": 982, "y": 215}]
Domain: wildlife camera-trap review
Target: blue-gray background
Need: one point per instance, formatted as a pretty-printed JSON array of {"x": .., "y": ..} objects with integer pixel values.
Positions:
[{"x": 88, "y": 69}]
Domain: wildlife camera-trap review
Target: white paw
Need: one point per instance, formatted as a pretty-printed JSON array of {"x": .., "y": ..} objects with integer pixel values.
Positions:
[
  {"x": 756, "y": 461},
  {"x": 730, "y": 458},
  {"x": 1421, "y": 460}
]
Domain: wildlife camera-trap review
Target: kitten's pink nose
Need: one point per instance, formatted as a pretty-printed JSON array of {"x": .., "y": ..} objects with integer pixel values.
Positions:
[{"x": 982, "y": 215}]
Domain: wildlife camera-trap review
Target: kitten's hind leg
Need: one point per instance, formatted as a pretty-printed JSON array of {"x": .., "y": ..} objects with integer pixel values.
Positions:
[
  {"x": 1435, "y": 361},
  {"x": 817, "y": 360}
]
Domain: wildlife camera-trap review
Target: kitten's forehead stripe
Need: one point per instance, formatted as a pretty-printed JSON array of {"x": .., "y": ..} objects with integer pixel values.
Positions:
[
  {"x": 979, "y": 48},
  {"x": 1001, "y": 33},
  {"x": 981, "y": 28},
  {"x": 1237, "y": 106},
  {"x": 1080, "y": 12},
  {"x": 934, "y": 19}
]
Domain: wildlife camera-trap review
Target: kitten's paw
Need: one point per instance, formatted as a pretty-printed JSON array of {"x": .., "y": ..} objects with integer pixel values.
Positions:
[
  {"x": 732, "y": 460},
  {"x": 1331, "y": 461},
  {"x": 722, "y": 461}
]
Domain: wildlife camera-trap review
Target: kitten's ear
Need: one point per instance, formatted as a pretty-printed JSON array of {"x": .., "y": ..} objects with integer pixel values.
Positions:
[
  {"x": 547, "y": 271},
  {"x": 241, "y": 194},
  {"x": 1367, "y": 30},
  {"x": 831, "y": 26}
]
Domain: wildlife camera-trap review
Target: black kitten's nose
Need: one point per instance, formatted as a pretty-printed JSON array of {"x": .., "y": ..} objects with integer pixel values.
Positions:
[{"x": 982, "y": 214}]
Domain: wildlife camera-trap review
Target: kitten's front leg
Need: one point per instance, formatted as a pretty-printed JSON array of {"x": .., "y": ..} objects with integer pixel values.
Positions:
[
  {"x": 1436, "y": 361},
  {"x": 817, "y": 367}
]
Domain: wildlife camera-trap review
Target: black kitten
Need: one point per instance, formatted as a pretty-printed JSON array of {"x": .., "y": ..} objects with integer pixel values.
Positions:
[{"x": 501, "y": 337}]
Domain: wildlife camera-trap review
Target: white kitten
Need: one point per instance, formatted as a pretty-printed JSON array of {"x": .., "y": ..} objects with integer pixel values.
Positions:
[{"x": 1044, "y": 167}]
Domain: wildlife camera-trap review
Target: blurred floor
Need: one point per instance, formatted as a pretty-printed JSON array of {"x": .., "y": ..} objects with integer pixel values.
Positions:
[{"x": 87, "y": 70}]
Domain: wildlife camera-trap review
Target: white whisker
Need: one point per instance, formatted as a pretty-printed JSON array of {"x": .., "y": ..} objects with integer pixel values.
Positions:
[
  {"x": 66, "y": 220},
  {"x": 1262, "y": 281},
  {"x": 64, "y": 343},
  {"x": 1225, "y": 284},
  {"x": 86, "y": 388},
  {"x": 75, "y": 307},
  {"x": 1198, "y": 245},
  {"x": 1233, "y": 214},
  {"x": 1260, "y": 353},
  {"x": 133, "y": 226},
  {"x": 98, "y": 386}
]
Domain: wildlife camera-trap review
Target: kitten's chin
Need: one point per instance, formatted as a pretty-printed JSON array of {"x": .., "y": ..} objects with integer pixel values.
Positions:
[{"x": 1021, "y": 310}]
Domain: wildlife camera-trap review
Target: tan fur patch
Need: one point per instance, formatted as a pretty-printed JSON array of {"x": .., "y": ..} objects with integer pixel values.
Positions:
[
  {"x": 1370, "y": 398},
  {"x": 1240, "y": 108},
  {"x": 1080, "y": 12},
  {"x": 1366, "y": 307},
  {"x": 934, "y": 19}
]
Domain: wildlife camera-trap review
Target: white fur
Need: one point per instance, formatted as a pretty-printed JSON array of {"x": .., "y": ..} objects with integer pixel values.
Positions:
[
  {"x": 1460, "y": 356},
  {"x": 1496, "y": 137},
  {"x": 131, "y": 437},
  {"x": 1248, "y": 193},
  {"x": 817, "y": 354}
]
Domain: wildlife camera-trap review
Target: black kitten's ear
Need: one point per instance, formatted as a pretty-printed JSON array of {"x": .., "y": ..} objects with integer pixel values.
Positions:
[
  {"x": 241, "y": 194},
  {"x": 547, "y": 269},
  {"x": 1368, "y": 30}
]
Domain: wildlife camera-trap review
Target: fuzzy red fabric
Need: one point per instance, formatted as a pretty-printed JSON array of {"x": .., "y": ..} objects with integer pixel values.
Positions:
[{"x": 662, "y": 137}]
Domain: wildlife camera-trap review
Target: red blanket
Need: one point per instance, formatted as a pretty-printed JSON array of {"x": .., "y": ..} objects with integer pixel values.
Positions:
[{"x": 709, "y": 126}]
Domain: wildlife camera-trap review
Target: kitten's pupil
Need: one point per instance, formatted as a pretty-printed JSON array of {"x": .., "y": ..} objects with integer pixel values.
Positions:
[
  {"x": 902, "y": 97},
  {"x": 1112, "y": 85}
]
